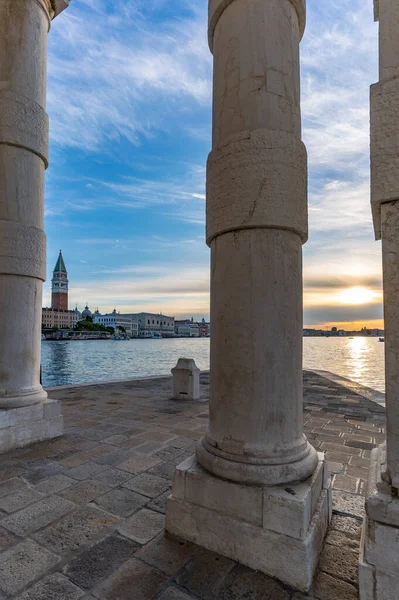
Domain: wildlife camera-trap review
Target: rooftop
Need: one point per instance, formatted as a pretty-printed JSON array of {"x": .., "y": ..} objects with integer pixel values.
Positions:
[{"x": 83, "y": 516}]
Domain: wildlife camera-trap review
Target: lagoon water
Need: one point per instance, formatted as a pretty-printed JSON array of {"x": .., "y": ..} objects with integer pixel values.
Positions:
[{"x": 66, "y": 363}]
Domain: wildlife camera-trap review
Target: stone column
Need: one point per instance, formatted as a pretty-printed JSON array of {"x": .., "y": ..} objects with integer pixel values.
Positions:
[
  {"x": 379, "y": 560},
  {"x": 24, "y": 25},
  {"x": 256, "y": 225}
]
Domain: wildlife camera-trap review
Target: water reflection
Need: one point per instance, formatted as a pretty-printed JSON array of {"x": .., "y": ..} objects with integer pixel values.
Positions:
[{"x": 64, "y": 363}]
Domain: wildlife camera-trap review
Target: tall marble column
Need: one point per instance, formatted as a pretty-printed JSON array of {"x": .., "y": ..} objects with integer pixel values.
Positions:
[
  {"x": 379, "y": 560},
  {"x": 256, "y": 225},
  {"x": 25, "y": 413}
]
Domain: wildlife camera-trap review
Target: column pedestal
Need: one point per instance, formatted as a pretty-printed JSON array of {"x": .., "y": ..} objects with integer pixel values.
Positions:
[
  {"x": 20, "y": 427},
  {"x": 278, "y": 530},
  {"x": 379, "y": 552}
]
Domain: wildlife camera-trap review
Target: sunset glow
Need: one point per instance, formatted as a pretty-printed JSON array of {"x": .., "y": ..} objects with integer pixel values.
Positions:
[{"x": 356, "y": 295}]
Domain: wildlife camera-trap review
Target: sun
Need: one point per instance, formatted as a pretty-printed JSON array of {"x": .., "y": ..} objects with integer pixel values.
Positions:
[{"x": 356, "y": 295}]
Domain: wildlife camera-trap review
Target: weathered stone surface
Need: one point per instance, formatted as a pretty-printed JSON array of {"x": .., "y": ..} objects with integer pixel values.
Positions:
[
  {"x": 38, "y": 515},
  {"x": 138, "y": 464},
  {"x": 186, "y": 380},
  {"x": 348, "y": 504},
  {"x": 6, "y": 538},
  {"x": 143, "y": 526},
  {"x": 84, "y": 471},
  {"x": 243, "y": 580},
  {"x": 55, "y": 484},
  {"x": 167, "y": 554},
  {"x": 133, "y": 575},
  {"x": 112, "y": 477},
  {"x": 99, "y": 561},
  {"x": 204, "y": 574},
  {"x": 147, "y": 485},
  {"x": 22, "y": 564},
  {"x": 329, "y": 588},
  {"x": 51, "y": 588},
  {"x": 340, "y": 560},
  {"x": 18, "y": 500},
  {"x": 75, "y": 530},
  {"x": 85, "y": 491},
  {"x": 173, "y": 593},
  {"x": 121, "y": 502}
]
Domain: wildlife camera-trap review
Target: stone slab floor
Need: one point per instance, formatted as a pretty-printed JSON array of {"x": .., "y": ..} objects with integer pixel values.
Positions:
[{"x": 82, "y": 517}]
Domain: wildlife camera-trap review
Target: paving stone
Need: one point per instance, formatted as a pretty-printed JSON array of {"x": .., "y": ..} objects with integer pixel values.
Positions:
[
  {"x": 101, "y": 450},
  {"x": 342, "y": 540},
  {"x": 156, "y": 436},
  {"x": 75, "y": 460},
  {"x": 113, "y": 459},
  {"x": 345, "y": 483},
  {"x": 76, "y": 530},
  {"x": 85, "y": 491},
  {"x": 159, "y": 503},
  {"x": 44, "y": 472},
  {"x": 143, "y": 526},
  {"x": 6, "y": 538},
  {"x": 8, "y": 472},
  {"x": 55, "y": 484},
  {"x": 99, "y": 561},
  {"x": 243, "y": 581},
  {"x": 180, "y": 442},
  {"x": 347, "y": 525},
  {"x": 12, "y": 486},
  {"x": 22, "y": 564},
  {"x": 203, "y": 575},
  {"x": 133, "y": 575},
  {"x": 167, "y": 553},
  {"x": 14, "y": 502},
  {"x": 165, "y": 469},
  {"x": 148, "y": 485},
  {"x": 54, "y": 587},
  {"x": 335, "y": 560},
  {"x": 169, "y": 453},
  {"x": 113, "y": 477},
  {"x": 148, "y": 448},
  {"x": 116, "y": 440},
  {"x": 172, "y": 593},
  {"x": 350, "y": 504},
  {"x": 85, "y": 471},
  {"x": 330, "y": 588},
  {"x": 121, "y": 502},
  {"x": 34, "y": 517},
  {"x": 137, "y": 464}
]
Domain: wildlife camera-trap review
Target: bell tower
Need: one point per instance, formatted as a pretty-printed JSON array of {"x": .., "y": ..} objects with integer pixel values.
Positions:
[{"x": 59, "y": 285}]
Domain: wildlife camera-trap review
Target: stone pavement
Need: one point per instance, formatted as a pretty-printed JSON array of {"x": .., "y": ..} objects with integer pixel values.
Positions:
[{"x": 82, "y": 517}]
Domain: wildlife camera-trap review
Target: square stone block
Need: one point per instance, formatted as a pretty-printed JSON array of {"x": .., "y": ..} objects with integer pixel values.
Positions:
[
  {"x": 228, "y": 518},
  {"x": 379, "y": 547},
  {"x": 20, "y": 427}
]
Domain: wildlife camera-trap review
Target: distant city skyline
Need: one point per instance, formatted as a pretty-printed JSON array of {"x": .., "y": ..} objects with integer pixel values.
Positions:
[{"x": 125, "y": 191}]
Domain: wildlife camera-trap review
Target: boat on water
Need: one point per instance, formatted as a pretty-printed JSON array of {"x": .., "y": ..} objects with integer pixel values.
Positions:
[
  {"x": 381, "y": 340},
  {"x": 117, "y": 338}
]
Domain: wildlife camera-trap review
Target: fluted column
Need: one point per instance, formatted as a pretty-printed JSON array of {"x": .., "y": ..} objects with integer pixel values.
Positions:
[
  {"x": 24, "y": 25},
  {"x": 256, "y": 225}
]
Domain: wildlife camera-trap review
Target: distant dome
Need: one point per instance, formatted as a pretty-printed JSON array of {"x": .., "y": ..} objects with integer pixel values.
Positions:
[{"x": 86, "y": 313}]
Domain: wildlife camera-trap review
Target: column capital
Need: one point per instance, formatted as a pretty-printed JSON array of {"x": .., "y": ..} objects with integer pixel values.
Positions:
[
  {"x": 55, "y": 7},
  {"x": 217, "y": 7}
]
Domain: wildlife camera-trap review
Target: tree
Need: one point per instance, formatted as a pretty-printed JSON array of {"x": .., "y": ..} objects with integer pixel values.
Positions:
[{"x": 334, "y": 329}]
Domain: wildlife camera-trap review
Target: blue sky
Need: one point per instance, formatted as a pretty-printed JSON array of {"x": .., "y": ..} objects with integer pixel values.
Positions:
[{"x": 129, "y": 99}]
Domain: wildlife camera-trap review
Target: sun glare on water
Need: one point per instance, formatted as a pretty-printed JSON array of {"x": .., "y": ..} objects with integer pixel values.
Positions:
[{"x": 356, "y": 295}]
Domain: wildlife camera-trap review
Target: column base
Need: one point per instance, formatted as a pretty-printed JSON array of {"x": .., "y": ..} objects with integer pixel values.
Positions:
[
  {"x": 276, "y": 530},
  {"x": 23, "y": 426},
  {"x": 379, "y": 550}
]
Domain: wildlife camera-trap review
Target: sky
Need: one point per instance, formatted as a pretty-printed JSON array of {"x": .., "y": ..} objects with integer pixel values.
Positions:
[{"x": 129, "y": 100}]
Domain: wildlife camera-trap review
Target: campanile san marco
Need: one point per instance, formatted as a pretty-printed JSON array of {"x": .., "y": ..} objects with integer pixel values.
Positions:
[{"x": 59, "y": 285}]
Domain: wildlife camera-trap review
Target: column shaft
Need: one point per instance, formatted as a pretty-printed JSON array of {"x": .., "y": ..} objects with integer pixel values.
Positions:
[
  {"x": 256, "y": 224},
  {"x": 390, "y": 254},
  {"x": 23, "y": 158}
]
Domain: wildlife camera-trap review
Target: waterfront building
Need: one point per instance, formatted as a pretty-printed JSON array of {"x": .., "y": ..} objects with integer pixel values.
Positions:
[
  {"x": 58, "y": 316},
  {"x": 150, "y": 324},
  {"x": 204, "y": 328},
  {"x": 187, "y": 328},
  {"x": 86, "y": 313},
  {"x": 118, "y": 321}
]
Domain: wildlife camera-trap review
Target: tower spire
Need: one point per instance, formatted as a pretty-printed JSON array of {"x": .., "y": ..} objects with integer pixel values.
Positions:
[{"x": 59, "y": 285}]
